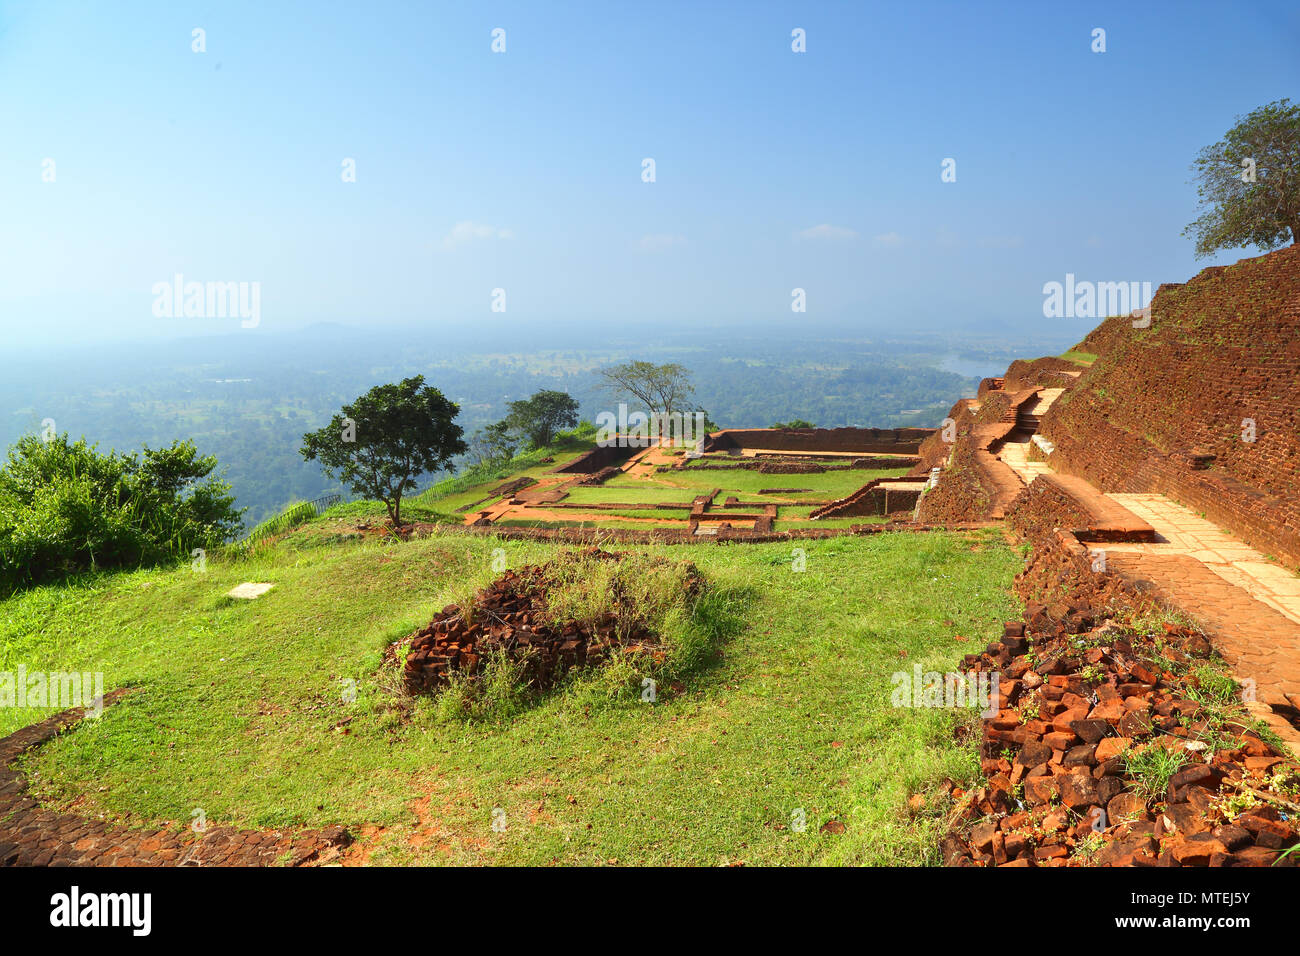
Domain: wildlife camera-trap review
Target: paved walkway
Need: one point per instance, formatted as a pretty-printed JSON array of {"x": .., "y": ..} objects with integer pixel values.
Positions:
[
  {"x": 1182, "y": 531},
  {"x": 1016, "y": 455},
  {"x": 1044, "y": 401},
  {"x": 1261, "y": 646}
]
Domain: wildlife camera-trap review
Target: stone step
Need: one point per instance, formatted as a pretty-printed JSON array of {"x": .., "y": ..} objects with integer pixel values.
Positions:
[{"x": 1105, "y": 519}]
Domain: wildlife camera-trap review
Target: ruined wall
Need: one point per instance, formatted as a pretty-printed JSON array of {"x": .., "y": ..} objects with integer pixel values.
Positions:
[
  {"x": 1162, "y": 409},
  {"x": 974, "y": 484},
  {"x": 934, "y": 451},
  {"x": 593, "y": 461},
  {"x": 880, "y": 497},
  {"x": 963, "y": 492},
  {"x": 1039, "y": 373},
  {"x": 903, "y": 441},
  {"x": 1041, "y": 509},
  {"x": 1103, "y": 339}
]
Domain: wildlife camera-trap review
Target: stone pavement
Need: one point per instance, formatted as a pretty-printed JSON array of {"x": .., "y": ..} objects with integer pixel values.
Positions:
[
  {"x": 1016, "y": 455},
  {"x": 33, "y": 836},
  {"x": 1182, "y": 531}
]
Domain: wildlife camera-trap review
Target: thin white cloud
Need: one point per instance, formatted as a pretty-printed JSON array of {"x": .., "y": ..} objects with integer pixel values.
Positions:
[
  {"x": 467, "y": 231},
  {"x": 826, "y": 231},
  {"x": 888, "y": 239},
  {"x": 661, "y": 240}
]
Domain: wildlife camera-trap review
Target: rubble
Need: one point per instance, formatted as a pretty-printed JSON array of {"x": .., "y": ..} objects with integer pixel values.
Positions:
[
  {"x": 511, "y": 616},
  {"x": 1116, "y": 748}
]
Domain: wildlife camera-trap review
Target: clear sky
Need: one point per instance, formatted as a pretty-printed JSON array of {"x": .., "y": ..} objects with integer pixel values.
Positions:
[{"x": 522, "y": 170}]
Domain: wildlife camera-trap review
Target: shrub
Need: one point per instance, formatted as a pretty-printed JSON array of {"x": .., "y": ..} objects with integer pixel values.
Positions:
[{"x": 66, "y": 507}]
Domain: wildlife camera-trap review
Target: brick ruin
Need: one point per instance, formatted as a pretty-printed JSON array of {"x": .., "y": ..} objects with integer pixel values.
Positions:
[
  {"x": 1203, "y": 406},
  {"x": 1143, "y": 481},
  {"x": 1198, "y": 406},
  {"x": 769, "y": 451},
  {"x": 814, "y": 441}
]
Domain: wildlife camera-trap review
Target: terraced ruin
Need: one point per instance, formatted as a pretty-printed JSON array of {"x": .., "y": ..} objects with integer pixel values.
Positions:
[
  {"x": 737, "y": 485},
  {"x": 1149, "y": 663}
]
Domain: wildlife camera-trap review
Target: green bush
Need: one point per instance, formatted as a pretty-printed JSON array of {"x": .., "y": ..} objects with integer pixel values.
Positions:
[{"x": 66, "y": 507}]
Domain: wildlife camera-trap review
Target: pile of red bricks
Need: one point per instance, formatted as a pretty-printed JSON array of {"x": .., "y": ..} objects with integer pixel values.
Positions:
[
  {"x": 511, "y": 615},
  {"x": 1080, "y": 700}
]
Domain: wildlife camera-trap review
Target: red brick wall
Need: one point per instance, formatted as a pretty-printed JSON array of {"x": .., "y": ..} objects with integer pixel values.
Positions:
[
  {"x": 590, "y": 462},
  {"x": 1038, "y": 373},
  {"x": 903, "y": 441},
  {"x": 1221, "y": 348}
]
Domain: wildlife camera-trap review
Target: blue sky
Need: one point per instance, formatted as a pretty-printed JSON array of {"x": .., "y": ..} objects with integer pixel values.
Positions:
[{"x": 522, "y": 170}]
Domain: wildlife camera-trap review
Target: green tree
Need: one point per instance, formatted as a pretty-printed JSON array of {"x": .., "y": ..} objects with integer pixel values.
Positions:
[
  {"x": 663, "y": 389},
  {"x": 65, "y": 506},
  {"x": 386, "y": 439},
  {"x": 492, "y": 443},
  {"x": 794, "y": 423},
  {"x": 1250, "y": 182},
  {"x": 540, "y": 417}
]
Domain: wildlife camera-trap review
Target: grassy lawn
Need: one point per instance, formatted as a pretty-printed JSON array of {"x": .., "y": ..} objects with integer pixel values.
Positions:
[
  {"x": 827, "y": 486},
  {"x": 632, "y": 491},
  {"x": 239, "y": 705},
  {"x": 1079, "y": 358},
  {"x": 477, "y": 481}
]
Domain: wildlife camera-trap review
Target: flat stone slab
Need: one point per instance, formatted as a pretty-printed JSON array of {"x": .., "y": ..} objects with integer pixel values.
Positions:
[
  {"x": 249, "y": 590},
  {"x": 1256, "y": 640}
]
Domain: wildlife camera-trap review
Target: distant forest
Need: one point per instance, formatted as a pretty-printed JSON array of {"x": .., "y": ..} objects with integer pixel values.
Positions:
[{"x": 249, "y": 399}]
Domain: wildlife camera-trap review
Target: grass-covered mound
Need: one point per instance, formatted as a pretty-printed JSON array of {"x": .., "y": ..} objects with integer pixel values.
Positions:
[{"x": 633, "y": 613}]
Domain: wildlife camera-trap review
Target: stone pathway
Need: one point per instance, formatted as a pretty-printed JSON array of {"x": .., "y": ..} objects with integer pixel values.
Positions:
[
  {"x": 644, "y": 464},
  {"x": 1038, "y": 408},
  {"x": 33, "y": 836},
  {"x": 1182, "y": 531},
  {"x": 1016, "y": 455}
]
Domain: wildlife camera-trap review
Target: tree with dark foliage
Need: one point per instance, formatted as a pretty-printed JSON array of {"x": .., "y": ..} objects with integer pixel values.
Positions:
[
  {"x": 1250, "y": 180},
  {"x": 386, "y": 439}
]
